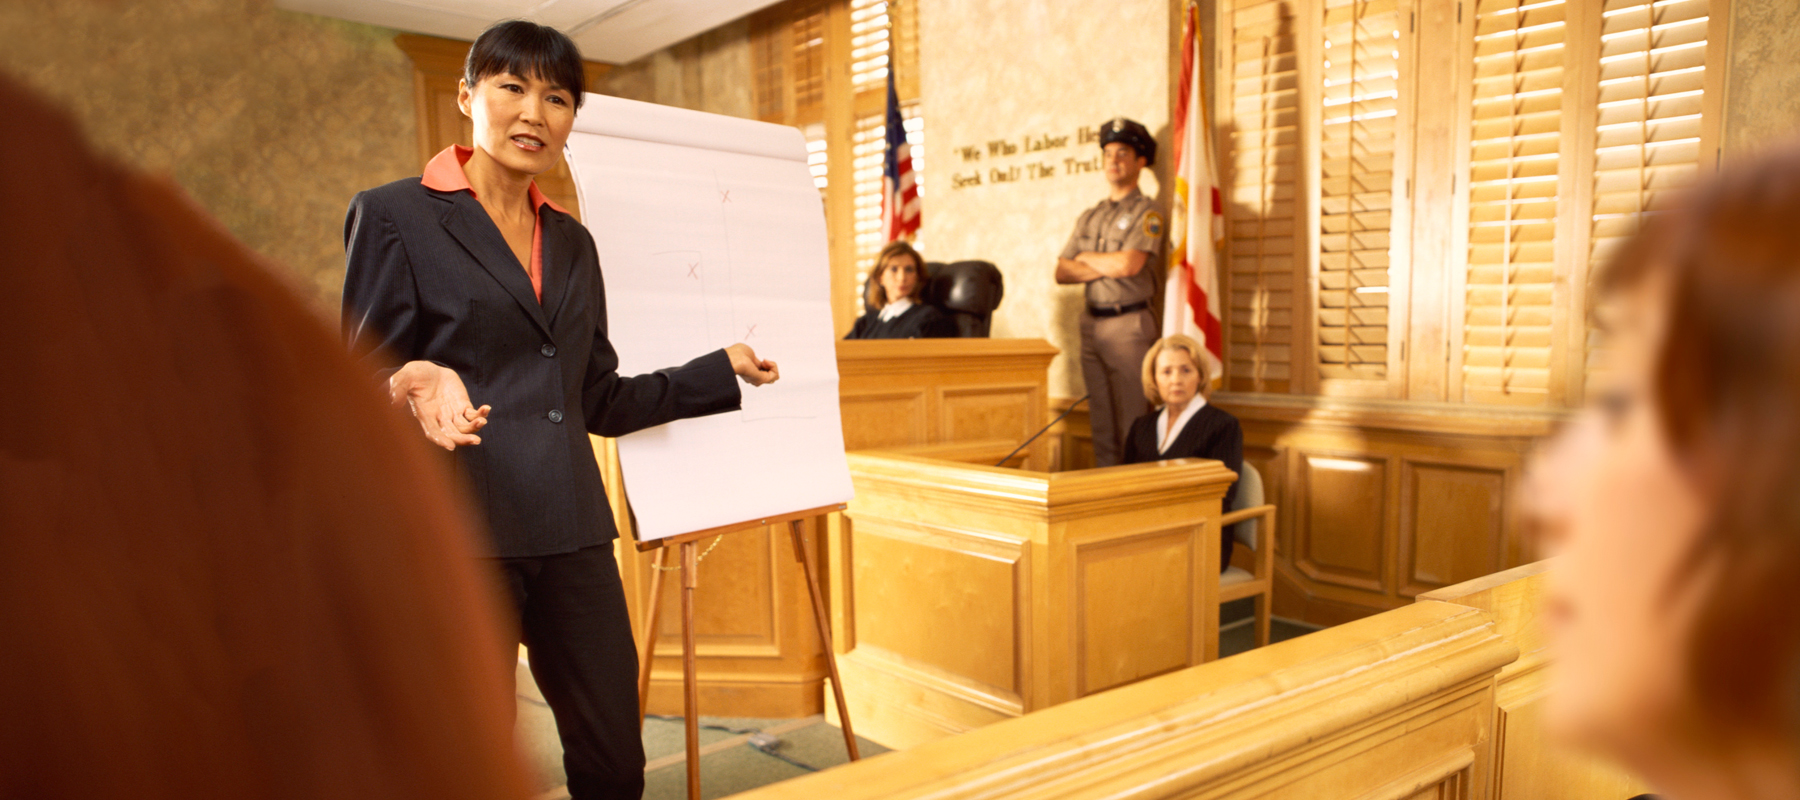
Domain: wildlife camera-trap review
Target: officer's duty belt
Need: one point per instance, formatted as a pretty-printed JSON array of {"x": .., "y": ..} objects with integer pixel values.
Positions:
[{"x": 1113, "y": 311}]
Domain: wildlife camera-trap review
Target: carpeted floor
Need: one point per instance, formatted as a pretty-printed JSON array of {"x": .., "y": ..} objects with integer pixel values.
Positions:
[{"x": 730, "y": 762}]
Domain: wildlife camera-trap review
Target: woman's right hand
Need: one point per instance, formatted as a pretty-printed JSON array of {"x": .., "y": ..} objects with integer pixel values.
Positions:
[{"x": 440, "y": 403}]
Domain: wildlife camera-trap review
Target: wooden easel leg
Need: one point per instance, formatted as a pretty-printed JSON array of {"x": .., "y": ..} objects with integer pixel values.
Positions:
[
  {"x": 690, "y": 681},
  {"x": 824, "y": 622},
  {"x": 652, "y": 620}
]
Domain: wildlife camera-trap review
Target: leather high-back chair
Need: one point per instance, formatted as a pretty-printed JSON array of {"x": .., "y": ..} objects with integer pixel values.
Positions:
[{"x": 966, "y": 291}]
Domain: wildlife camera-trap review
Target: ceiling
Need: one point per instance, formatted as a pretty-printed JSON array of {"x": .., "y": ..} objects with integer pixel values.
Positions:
[{"x": 614, "y": 31}]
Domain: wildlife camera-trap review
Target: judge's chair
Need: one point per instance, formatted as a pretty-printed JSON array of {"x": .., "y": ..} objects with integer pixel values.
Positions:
[
  {"x": 1252, "y": 571},
  {"x": 967, "y": 292}
]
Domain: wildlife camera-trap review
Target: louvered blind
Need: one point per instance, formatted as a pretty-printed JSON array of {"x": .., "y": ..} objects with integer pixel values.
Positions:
[
  {"x": 1357, "y": 136},
  {"x": 1262, "y": 167},
  {"x": 787, "y": 56},
  {"x": 870, "y": 35},
  {"x": 806, "y": 44},
  {"x": 1515, "y": 136},
  {"x": 1647, "y": 139}
]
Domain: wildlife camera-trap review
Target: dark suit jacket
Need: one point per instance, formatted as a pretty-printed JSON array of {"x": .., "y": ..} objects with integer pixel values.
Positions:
[
  {"x": 431, "y": 279},
  {"x": 1212, "y": 433},
  {"x": 919, "y": 322}
]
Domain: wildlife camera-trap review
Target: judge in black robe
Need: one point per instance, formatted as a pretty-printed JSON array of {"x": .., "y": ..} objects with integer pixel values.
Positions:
[{"x": 896, "y": 297}]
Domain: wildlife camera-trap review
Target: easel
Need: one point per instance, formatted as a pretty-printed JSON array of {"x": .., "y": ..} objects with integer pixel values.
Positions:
[{"x": 690, "y": 579}]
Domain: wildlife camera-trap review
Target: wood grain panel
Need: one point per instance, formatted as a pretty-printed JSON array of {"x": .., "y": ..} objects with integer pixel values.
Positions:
[
  {"x": 883, "y": 419},
  {"x": 735, "y": 611},
  {"x": 939, "y": 600},
  {"x": 1452, "y": 524},
  {"x": 1342, "y": 538},
  {"x": 989, "y": 412},
  {"x": 1135, "y": 609}
]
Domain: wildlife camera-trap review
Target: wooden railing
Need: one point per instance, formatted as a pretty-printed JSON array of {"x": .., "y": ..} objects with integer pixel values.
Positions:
[{"x": 1433, "y": 700}]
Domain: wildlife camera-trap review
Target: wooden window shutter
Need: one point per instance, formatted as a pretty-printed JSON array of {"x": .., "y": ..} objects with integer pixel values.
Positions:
[
  {"x": 1259, "y": 87},
  {"x": 1359, "y": 117},
  {"x": 1510, "y": 314},
  {"x": 870, "y": 35},
  {"x": 806, "y": 49},
  {"x": 1657, "y": 114}
]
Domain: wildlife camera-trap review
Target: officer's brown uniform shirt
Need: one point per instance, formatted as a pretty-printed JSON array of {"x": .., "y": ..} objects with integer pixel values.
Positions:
[{"x": 1131, "y": 223}]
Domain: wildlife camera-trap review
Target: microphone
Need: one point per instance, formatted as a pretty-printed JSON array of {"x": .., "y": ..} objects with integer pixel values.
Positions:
[{"x": 1059, "y": 418}]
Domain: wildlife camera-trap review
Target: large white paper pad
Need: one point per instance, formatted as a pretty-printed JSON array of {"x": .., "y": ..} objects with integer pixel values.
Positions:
[{"x": 711, "y": 232}]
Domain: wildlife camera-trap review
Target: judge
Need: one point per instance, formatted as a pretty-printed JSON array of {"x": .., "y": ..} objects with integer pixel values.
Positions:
[
  {"x": 897, "y": 297},
  {"x": 491, "y": 297},
  {"x": 1185, "y": 426}
]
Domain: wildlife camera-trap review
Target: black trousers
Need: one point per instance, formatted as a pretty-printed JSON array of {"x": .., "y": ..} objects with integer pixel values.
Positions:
[{"x": 573, "y": 622}]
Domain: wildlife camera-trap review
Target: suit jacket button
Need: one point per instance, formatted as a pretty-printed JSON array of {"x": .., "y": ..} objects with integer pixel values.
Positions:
[
  {"x": 548, "y": 350},
  {"x": 555, "y": 415}
]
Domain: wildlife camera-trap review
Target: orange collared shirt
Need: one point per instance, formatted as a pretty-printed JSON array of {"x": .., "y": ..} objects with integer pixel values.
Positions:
[{"x": 445, "y": 174}]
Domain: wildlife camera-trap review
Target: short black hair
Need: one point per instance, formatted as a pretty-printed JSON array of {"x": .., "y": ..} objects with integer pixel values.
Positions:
[{"x": 528, "y": 50}]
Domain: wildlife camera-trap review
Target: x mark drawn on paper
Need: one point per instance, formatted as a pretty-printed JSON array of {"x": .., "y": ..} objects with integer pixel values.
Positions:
[
  {"x": 692, "y": 270},
  {"x": 751, "y": 332},
  {"x": 725, "y": 196}
]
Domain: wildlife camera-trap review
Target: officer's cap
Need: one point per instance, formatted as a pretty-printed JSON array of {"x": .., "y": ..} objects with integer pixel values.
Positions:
[{"x": 1132, "y": 133}]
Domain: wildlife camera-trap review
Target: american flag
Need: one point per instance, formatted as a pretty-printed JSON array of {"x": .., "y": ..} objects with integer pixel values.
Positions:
[{"x": 899, "y": 184}]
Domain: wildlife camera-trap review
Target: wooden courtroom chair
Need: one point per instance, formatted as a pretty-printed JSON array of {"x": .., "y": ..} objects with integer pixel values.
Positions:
[{"x": 1252, "y": 571}]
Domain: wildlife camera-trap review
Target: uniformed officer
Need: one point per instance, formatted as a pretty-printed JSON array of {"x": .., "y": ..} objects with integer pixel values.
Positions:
[{"x": 1114, "y": 251}]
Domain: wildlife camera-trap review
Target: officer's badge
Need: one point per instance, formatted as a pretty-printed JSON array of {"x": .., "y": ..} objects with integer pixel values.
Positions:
[{"x": 1153, "y": 224}]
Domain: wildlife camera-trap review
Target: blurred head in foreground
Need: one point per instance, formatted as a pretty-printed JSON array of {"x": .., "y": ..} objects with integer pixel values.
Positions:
[
  {"x": 1675, "y": 499},
  {"x": 226, "y": 568}
]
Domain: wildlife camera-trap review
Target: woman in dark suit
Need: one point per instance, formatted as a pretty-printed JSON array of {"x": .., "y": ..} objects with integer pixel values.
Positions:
[
  {"x": 490, "y": 297},
  {"x": 897, "y": 295},
  {"x": 1175, "y": 378}
]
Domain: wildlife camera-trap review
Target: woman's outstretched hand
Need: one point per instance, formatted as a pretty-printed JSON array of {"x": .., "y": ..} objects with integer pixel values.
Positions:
[
  {"x": 440, "y": 403},
  {"x": 754, "y": 371}
]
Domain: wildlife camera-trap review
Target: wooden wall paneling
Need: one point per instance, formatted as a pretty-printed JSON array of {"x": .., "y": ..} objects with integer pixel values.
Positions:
[
  {"x": 754, "y": 637},
  {"x": 882, "y": 419},
  {"x": 1438, "y": 132},
  {"x": 1453, "y": 524},
  {"x": 1327, "y": 569},
  {"x": 935, "y": 391},
  {"x": 1075, "y": 435},
  {"x": 1342, "y": 505},
  {"x": 991, "y": 411},
  {"x": 1124, "y": 590},
  {"x": 1308, "y": 22},
  {"x": 1581, "y": 90},
  {"x": 918, "y": 601}
]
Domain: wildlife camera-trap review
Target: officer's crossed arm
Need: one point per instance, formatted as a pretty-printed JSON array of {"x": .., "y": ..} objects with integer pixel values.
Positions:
[{"x": 1089, "y": 266}]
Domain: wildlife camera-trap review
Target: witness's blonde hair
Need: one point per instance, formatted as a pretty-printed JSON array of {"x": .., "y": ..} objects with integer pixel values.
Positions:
[{"x": 1185, "y": 344}]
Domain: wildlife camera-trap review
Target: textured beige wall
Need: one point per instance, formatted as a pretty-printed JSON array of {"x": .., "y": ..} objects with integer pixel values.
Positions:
[
  {"x": 1762, "y": 94},
  {"x": 710, "y": 72},
  {"x": 1014, "y": 70},
  {"x": 271, "y": 120}
]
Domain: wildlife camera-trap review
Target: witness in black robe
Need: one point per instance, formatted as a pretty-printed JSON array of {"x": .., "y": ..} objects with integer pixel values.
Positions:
[{"x": 896, "y": 295}]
